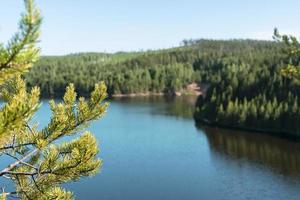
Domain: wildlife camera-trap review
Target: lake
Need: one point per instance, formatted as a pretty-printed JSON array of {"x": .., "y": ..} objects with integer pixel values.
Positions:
[{"x": 152, "y": 149}]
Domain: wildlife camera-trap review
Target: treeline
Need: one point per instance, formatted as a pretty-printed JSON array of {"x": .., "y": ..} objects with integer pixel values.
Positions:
[
  {"x": 246, "y": 88},
  {"x": 124, "y": 73},
  {"x": 248, "y": 91},
  {"x": 162, "y": 71}
]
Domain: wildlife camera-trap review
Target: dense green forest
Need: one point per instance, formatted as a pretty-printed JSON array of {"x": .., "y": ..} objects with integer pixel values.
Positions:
[
  {"x": 162, "y": 71},
  {"x": 247, "y": 90},
  {"x": 244, "y": 86}
]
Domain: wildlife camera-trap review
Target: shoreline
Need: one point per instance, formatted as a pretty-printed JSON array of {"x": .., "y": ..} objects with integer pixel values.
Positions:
[
  {"x": 138, "y": 95},
  {"x": 176, "y": 94},
  {"x": 278, "y": 134},
  {"x": 192, "y": 89},
  {"x": 131, "y": 95}
]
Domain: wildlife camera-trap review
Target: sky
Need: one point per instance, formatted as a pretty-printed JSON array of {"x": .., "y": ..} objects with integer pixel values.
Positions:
[{"x": 72, "y": 26}]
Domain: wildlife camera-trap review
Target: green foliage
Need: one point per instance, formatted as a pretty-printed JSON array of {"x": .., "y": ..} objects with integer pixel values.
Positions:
[
  {"x": 292, "y": 53},
  {"x": 130, "y": 73},
  {"x": 253, "y": 89},
  {"x": 19, "y": 54},
  {"x": 161, "y": 71},
  {"x": 41, "y": 163}
]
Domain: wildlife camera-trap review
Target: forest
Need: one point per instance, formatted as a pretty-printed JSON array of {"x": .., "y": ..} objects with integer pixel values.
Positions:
[
  {"x": 124, "y": 73},
  {"x": 224, "y": 112},
  {"x": 161, "y": 71},
  {"x": 244, "y": 85},
  {"x": 248, "y": 90}
]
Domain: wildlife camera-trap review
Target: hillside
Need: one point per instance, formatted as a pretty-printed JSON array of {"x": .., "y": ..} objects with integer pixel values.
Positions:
[
  {"x": 248, "y": 91},
  {"x": 240, "y": 80},
  {"x": 167, "y": 71}
]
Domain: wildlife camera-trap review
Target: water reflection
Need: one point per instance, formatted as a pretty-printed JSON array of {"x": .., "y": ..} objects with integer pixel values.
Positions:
[
  {"x": 150, "y": 154},
  {"x": 181, "y": 107},
  {"x": 279, "y": 154}
]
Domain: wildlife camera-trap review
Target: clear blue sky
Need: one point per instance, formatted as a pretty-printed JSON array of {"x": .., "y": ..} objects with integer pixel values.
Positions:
[{"x": 124, "y": 25}]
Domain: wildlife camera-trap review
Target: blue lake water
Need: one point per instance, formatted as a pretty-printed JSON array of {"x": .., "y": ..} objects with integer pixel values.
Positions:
[{"x": 152, "y": 149}]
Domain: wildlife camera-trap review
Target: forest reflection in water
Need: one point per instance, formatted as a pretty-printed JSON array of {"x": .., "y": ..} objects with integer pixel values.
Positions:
[
  {"x": 279, "y": 154},
  {"x": 181, "y": 107}
]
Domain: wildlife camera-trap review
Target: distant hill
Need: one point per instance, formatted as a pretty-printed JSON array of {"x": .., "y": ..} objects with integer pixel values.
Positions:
[
  {"x": 164, "y": 71},
  {"x": 240, "y": 80}
]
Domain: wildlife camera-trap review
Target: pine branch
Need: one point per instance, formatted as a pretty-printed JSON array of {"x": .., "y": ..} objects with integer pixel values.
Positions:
[
  {"x": 16, "y": 146},
  {"x": 40, "y": 164},
  {"x": 15, "y": 164},
  {"x": 21, "y": 162},
  {"x": 22, "y": 191},
  {"x": 19, "y": 49}
]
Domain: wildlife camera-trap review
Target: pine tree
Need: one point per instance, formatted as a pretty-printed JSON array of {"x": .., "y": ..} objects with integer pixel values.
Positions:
[
  {"x": 40, "y": 163},
  {"x": 292, "y": 52}
]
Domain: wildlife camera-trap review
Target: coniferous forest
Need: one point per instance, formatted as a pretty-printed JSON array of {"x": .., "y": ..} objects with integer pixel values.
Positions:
[
  {"x": 162, "y": 71},
  {"x": 201, "y": 119},
  {"x": 124, "y": 73},
  {"x": 252, "y": 92},
  {"x": 244, "y": 86}
]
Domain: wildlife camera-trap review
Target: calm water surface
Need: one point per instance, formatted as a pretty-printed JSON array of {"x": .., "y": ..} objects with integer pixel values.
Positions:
[{"x": 152, "y": 150}]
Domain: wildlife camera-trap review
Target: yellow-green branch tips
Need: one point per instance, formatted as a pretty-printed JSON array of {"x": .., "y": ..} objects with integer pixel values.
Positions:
[
  {"x": 21, "y": 51},
  {"x": 41, "y": 164},
  {"x": 292, "y": 52}
]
